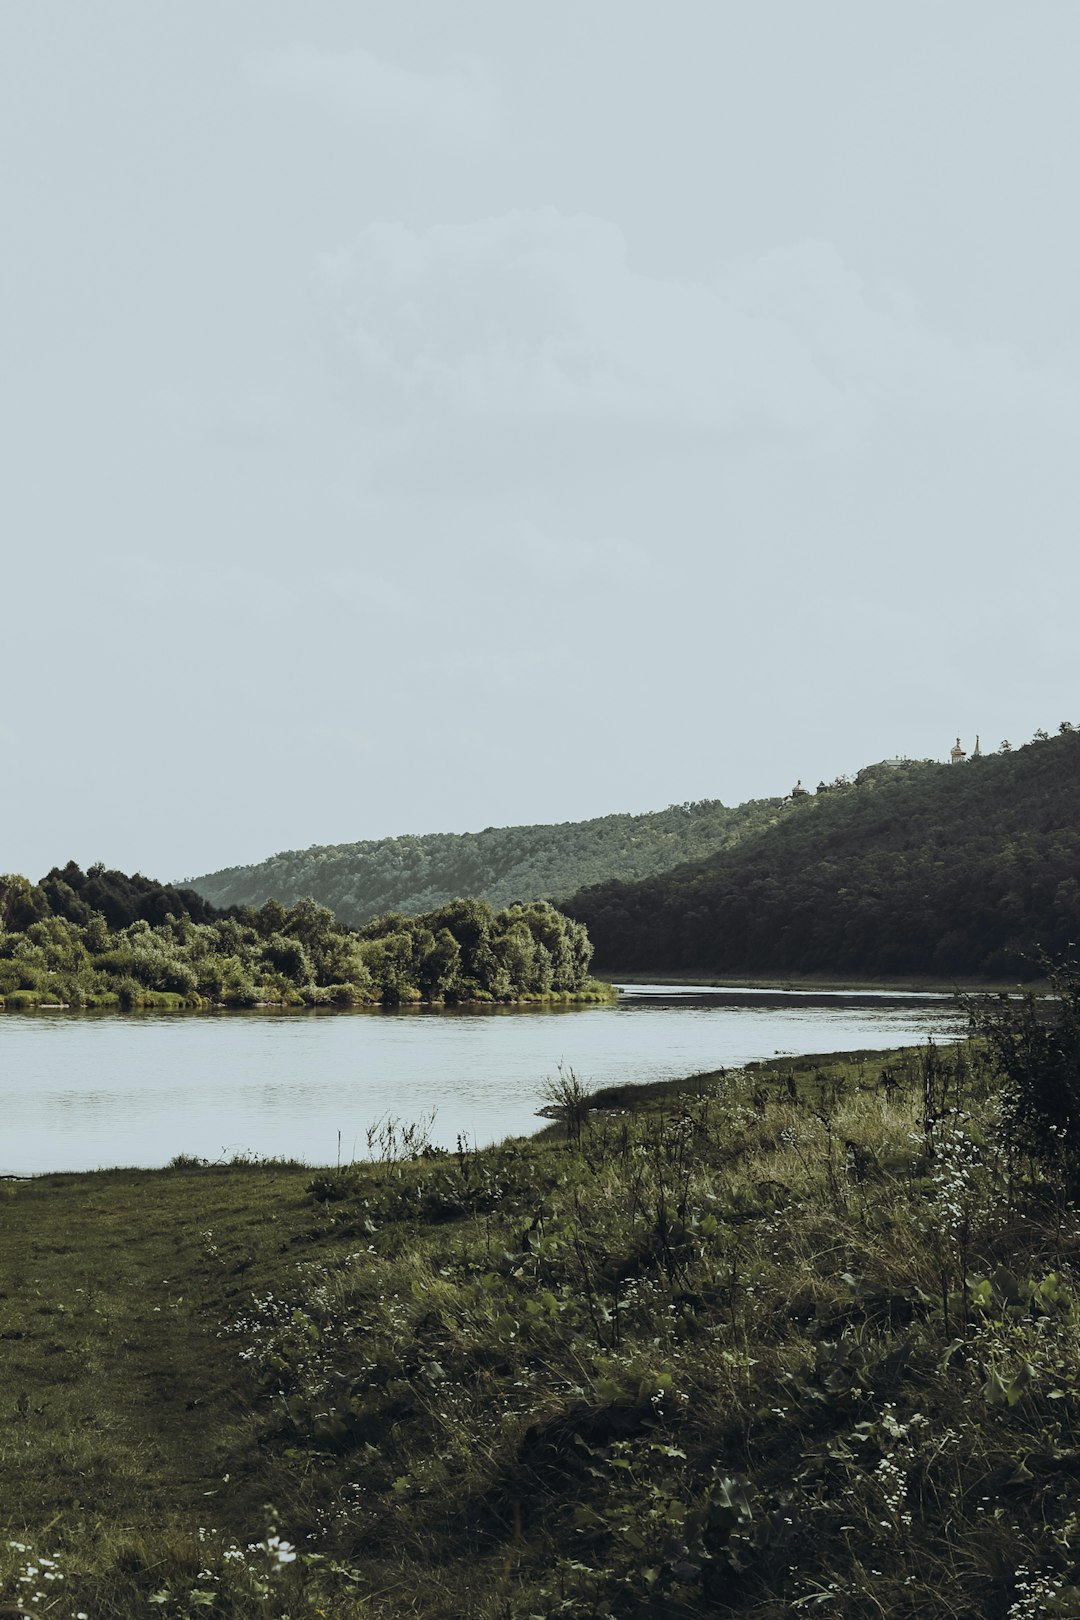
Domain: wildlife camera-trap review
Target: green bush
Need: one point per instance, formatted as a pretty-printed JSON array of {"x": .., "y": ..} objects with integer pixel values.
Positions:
[
  {"x": 129, "y": 993},
  {"x": 1036, "y": 1045},
  {"x": 22, "y": 1000}
]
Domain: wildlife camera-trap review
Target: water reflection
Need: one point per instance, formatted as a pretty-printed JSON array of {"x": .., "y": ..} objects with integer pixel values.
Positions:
[{"x": 80, "y": 1091}]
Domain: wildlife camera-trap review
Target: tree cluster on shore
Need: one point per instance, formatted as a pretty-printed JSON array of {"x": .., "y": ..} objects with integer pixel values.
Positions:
[
  {"x": 102, "y": 939},
  {"x": 923, "y": 869}
]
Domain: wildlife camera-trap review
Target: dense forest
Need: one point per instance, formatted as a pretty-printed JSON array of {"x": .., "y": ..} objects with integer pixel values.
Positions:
[
  {"x": 103, "y": 939},
  {"x": 500, "y": 864},
  {"x": 970, "y": 869}
]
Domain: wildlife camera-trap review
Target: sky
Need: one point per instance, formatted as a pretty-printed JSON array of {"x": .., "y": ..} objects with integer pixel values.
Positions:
[{"x": 423, "y": 418}]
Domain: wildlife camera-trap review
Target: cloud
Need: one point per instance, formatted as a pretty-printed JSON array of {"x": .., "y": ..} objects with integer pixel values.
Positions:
[
  {"x": 537, "y": 319},
  {"x": 539, "y": 315},
  {"x": 459, "y": 103},
  {"x": 873, "y": 343}
]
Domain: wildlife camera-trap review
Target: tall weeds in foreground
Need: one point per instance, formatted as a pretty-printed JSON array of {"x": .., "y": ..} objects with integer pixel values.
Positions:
[
  {"x": 799, "y": 1340},
  {"x": 789, "y": 1345}
]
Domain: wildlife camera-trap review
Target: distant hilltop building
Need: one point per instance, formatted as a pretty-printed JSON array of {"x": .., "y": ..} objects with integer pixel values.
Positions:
[{"x": 871, "y": 773}]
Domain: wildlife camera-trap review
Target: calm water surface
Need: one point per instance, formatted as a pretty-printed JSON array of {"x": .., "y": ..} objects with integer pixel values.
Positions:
[{"x": 80, "y": 1091}]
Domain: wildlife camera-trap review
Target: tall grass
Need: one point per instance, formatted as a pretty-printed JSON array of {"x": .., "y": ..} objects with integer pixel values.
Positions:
[{"x": 796, "y": 1340}]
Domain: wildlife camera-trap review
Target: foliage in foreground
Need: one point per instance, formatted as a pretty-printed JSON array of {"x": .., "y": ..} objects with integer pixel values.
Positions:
[
  {"x": 55, "y": 949},
  {"x": 803, "y": 1339}
]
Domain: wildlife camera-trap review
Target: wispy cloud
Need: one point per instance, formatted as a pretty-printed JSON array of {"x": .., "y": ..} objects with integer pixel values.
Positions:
[
  {"x": 459, "y": 103},
  {"x": 539, "y": 316}
]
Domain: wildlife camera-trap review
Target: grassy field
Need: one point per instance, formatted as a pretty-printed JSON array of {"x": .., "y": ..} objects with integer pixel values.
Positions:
[{"x": 801, "y": 1339}]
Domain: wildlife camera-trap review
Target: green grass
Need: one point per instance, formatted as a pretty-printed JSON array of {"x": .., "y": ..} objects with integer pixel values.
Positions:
[{"x": 796, "y": 1340}]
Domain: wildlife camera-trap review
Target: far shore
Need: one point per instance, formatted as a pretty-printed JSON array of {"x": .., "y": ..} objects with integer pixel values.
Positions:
[
  {"x": 605, "y": 989},
  {"x": 820, "y": 981}
]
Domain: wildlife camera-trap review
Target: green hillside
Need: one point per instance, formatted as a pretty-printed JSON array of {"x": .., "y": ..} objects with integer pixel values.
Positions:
[
  {"x": 500, "y": 865},
  {"x": 952, "y": 870}
]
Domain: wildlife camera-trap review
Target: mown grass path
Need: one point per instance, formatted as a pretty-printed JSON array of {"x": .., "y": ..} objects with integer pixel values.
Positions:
[{"x": 114, "y": 1378}]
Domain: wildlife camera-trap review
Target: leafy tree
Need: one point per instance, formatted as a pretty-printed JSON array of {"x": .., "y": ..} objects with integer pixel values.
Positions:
[
  {"x": 288, "y": 956},
  {"x": 270, "y": 919},
  {"x": 471, "y": 922},
  {"x": 21, "y": 903},
  {"x": 440, "y": 966},
  {"x": 391, "y": 962},
  {"x": 517, "y": 949}
]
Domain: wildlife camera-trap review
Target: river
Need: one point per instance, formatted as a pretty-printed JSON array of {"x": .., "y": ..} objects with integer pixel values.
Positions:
[{"x": 79, "y": 1091}]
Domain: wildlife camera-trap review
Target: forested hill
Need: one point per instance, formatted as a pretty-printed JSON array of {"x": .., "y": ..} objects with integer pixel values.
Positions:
[
  {"x": 500, "y": 865},
  {"x": 967, "y": 869}
]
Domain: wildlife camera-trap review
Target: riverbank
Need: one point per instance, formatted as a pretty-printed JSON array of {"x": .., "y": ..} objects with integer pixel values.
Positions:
[
  {"x": 309, "y": 999},
  {"x": 707, "y": 1348}
]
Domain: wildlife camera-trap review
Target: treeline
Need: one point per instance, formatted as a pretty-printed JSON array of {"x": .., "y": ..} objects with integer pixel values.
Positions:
[
  {"x": 121, "y": 899},
  {"x": 56, "y": 949},
  {"x": 971, "y": 869},
  {"x": 501, "y": 864}
]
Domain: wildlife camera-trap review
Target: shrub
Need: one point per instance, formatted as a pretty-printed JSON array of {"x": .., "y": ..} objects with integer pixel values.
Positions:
[
  {"x": 567, "y": 1099},
  {"x": 21, "y": 1000},
  {"x": 1035, "y": 1043},
  {"x": 129, "y": 993}
]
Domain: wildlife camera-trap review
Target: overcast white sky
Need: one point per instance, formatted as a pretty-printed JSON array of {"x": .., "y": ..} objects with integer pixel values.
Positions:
[{"x": 418, "y": 417}]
